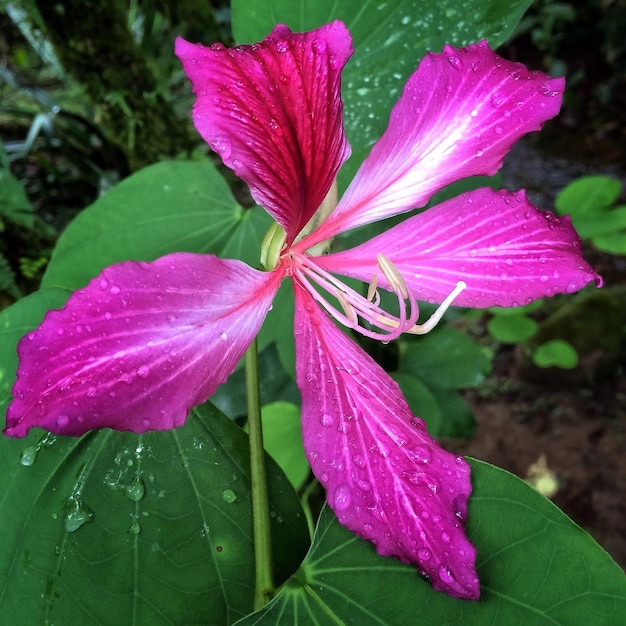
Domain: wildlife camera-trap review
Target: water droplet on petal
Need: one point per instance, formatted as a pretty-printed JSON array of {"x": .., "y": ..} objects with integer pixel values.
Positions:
[
  {"x": 63, "y": 420},
  {"x": 318, "y": 46},
  {"x": 445, "y": 574},
  {"x": 342, "y": 497},
  {"x": 281, "y": 46},
  {"x": 497, "y": 100},
  {"x": 143, "y": 371},
  {"x": 423, "y": 554},
  {"x": 445, "y": 537},
  {"x": 455, "y": 62},
  {"x": 114, "y": 290},
  {"x": 327, "y": 420}
]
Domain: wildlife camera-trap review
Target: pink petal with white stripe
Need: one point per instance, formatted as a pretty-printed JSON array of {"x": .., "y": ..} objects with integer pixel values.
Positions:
[
  {"x": 274, "y": 114},
  {"x": 506, "y": 250},
  {"x": 459, "y": 114},
  {"x": 139, "y": 346},
  {"x": 386, "y": 479}
]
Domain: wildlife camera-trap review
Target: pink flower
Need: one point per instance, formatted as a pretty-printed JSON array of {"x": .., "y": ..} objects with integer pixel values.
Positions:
[{"x": 144, "y": 342}]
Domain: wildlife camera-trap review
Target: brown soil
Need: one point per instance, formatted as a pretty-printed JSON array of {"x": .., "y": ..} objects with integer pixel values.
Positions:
[{"x": 580, "y": 431}]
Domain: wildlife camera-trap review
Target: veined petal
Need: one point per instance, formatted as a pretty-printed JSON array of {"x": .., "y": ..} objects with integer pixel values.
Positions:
[
  {"x": 139, "y": 346},
  {"x": 273, "y": 112},
  {"x": 459, "y": 114},
  {"x": 506, "y": 250},
  {"x": 386, "y": 479}
]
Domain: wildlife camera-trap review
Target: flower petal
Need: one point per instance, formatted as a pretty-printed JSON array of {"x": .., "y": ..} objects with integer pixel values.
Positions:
[
  {"x": 506, "y": 250},
  {"x": 273, "y": 112},
  {"x": 459, "y": 114},
  {"x": 386, "y": 479},
  {"x": 139, "y": 346}
]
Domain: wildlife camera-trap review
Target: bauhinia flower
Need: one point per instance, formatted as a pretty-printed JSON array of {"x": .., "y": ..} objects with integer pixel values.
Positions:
[{"x": 144, "y": 342}]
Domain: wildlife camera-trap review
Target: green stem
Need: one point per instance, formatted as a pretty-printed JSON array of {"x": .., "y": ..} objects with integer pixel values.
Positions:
[{"x": 264, "y": 587}]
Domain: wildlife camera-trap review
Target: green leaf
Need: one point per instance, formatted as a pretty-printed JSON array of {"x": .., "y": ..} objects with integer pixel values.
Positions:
[
  {"x": 167, "y": 207},
  {"x": 556, "y": 353},
  {"x": 15, "y": 322},
  {"x": 457, "y": 421},
  {"x": 588, "y": 195},
  {"x": 511, "y": 328},
  {"x": 14, "y": 204},
  {"x": 604, "y": 223},
  {"x": 282, "y": 438},
  {"x": 614, "y": 243},
  {"x": 144, "y": 530},
  {"x": 421, "y": 401},
  {"x": 275, "y": 384},
  {"x": 445, "y": 358},
  {"x": 536, "y": 567},
  {"x": 389, "y": 38}
]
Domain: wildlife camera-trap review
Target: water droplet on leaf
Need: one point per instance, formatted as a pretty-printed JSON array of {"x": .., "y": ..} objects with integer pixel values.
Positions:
[{"x": 229, "y": 496}]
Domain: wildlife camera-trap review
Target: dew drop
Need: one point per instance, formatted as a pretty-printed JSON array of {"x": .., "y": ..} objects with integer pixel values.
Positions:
[
  {"x": 224, "y": 336},
  {"x": 423, "y": 554},
  {"x": 135, "y": 528},
  {"x": 114, "y": 290},
  {"x": 420, "y": 454},
  {"x": 327, "y": 420},
  {"x": 445, "y": 574},
  {"x": 143, "y": 371},
  {"x": 546, "y": 90},
  {"x": 29, "y": 456},
  {"x": 222, "y": 146},
  {"x": 63, "y": 420},
  {"x": 78, "y": 514},
  {"x": 359, "y": 460},
  {"x": 318, "y": 46},
  {"x": 104, "y": 283},
  {"x": 229, "y": 496},
  {"x": 281, "y": 46},
  {"x": 497, "y": 100},
  {"x": 445, "y": 537},
  {"x": 342, "y": 497},
  {"x": 455, "y": 62},
  {"x": 136, "y": 490}
]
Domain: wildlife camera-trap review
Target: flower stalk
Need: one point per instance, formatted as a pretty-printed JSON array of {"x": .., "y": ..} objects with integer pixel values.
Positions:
[{"x": 264, "y": 581}]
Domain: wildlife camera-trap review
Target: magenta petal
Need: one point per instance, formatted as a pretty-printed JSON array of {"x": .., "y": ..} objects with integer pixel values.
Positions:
[
  {"x": 459, "y": 114},
  {"x": 273, "y": 112},
  {"x": 506, "y": 250},
  {"x": 386, "y": 479},
  {"x": 139, "y": 346}
]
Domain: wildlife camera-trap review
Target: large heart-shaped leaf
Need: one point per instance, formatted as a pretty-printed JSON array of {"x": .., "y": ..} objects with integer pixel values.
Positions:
[
  {"x": 141, "y": 530},
  {"x": 168, "y": 207},
  {"x": 536, "y": 567}
]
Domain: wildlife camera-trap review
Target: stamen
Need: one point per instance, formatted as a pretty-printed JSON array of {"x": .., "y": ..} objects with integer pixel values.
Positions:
[
  {"x": 347, "y": 309},
  {"x": 434, "y": 319},
  {"x": 372, "y": 289},
  {"x": 393, "y": 276},
  {"x": 354, "y": 307}
]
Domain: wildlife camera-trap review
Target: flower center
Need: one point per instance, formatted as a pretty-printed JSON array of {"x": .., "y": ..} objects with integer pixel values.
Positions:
[{"x": 356, "y": 310}]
